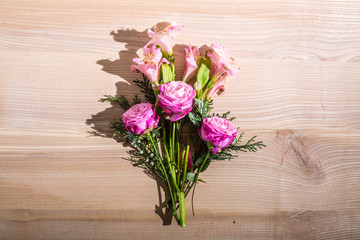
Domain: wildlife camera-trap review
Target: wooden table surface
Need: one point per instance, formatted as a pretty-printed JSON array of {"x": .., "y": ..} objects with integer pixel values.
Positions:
[{"x": 63, "y": 176}]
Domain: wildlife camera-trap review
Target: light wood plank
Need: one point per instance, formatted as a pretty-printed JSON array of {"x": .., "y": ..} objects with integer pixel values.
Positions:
[
  {"x": 300, "y": 29},
  {"x": 300, "y": 170}
]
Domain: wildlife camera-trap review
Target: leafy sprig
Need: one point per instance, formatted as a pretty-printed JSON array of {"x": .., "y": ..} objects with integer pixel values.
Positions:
[
  {"x": 118, "y": 127},
  {"x": 225, "y": 115},
  {"x": 122, "y": 101},
  {"x": 146, "y": 88},
  {"x": 250, "y": 146},
  {"x": 142, "y": 153},
  {"x": 201, "y": 110},
  {"x": 226, "y": 154}
]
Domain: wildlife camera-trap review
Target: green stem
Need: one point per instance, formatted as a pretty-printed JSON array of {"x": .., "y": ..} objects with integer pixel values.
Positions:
[
  {"x": 197, "y": 174},
  {"x": 182, "y": 208},
  {"x": 186, "y": 161},
  {"x": 178, "y": 125},
  {"x": 170, "y": 143},
  {"x": 173, "y": 142},
  {"x": 176, "y": 215},
  {"x": 173, "y": 71},
  {"x": 161, "y": 163},
  {"x": 172, "y": 173},
  {"x": 178, "y": 142},
  {"x": 166, "y": 178}
]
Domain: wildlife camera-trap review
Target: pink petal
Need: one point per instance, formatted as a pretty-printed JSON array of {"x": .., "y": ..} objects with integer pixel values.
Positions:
[{"x": 192, "y": 54}]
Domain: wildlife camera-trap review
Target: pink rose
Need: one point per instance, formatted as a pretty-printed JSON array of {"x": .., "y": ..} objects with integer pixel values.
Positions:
[
  {"x": 140, "y": 118},
  {"x": 220, "y": 132},
  {"x": 176, "y": 99}
]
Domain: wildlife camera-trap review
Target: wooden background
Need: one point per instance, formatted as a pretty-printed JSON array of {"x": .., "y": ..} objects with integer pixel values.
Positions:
[{"x": 63, "y": 176}]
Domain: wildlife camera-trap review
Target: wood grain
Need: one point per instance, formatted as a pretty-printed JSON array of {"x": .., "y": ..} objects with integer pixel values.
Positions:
[{"x": 63, "y": 176}]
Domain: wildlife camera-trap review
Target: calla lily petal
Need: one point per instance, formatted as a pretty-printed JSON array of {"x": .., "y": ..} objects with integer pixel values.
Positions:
[
  {"x": 162, "y": 38},
  {"x": 150, "y": 64},
  {"x": 192, "y": 54}
]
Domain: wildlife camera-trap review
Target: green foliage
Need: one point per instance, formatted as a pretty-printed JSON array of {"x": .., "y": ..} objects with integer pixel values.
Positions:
[
  {"x": 146, "y": 88},
  {"x": 201, "y": 111},
  {"x": 118, "y": 127},
  {"x": 136, "y": 100},
  {"x": 142, "y": 153},
  {"x": 199, "y": 159},
  {"x": 225, "y": 115},
  {"x": 250, "y": 146},
  {"x": 226, "y": 154},
  {"x": 190, "y": 176},
  {"x": 122, "y": 101}
]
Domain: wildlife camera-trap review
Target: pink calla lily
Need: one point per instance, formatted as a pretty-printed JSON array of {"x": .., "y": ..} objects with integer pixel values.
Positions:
[
  {"x": 150, "y": 64},
  {"x": 192, "y": 54},
  {"x": 162, "y": 37},
  {"x": 221, "y": 62},
  {"x": 218, "y": 87}
]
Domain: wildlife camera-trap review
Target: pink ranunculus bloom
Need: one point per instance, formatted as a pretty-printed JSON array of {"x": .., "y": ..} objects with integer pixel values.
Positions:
[
  {"x": 192, "y": 54},
  {"x": 219, "y": 132},
  {"x": 218, "y": 87},
  {"x": 162, "y": 37},
  {"x": 176, "y": 99},
  {"x": 221, "y": 62},
  {"x": 150, "y": 64},
  {"x": 140, "y": 118}
]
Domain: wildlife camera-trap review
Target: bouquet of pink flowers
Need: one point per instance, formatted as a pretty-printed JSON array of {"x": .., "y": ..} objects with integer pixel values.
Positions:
[{"x": 173, "y": 134}]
